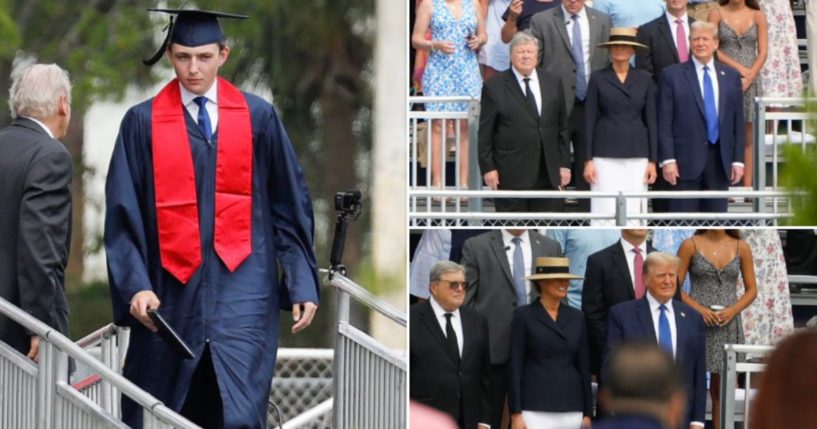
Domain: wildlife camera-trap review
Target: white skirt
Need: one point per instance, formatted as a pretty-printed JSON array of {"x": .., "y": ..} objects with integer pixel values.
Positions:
[
  {"x": 619, "y": 175},
  {"x": 544, "y": 420}
]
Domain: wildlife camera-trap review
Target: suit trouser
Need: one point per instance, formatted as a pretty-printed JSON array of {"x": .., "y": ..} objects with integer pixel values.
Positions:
[
  {"x": 578, "y": 135},
  {"x": 532, "y": 204},
  {"x": 499, "y": 390},
  {"x": 203, "y": 405},
  {"x": 711, "y": 179}
]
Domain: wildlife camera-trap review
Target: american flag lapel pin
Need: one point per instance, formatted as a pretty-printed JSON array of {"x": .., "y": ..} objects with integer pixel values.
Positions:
[
  {"x": 683, "y": 314},
  {"x": 723, "y": 73}
]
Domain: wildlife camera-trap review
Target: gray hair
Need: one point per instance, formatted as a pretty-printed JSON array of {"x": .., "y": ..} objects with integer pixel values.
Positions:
[
  {"x": 703, "y": 26},
  {"x": 36, "y": 90},
  {"x": 444, "y": 267},
  {"x": 660, "y": 258},
  {"x": 522, "y": 37}
]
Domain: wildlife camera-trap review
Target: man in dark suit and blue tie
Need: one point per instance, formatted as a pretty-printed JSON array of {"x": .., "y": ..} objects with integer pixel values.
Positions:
[
  {"x": 675, "y": 326},
  {"x": 700, "y": 117},
  {"x": 449, "y": 360}
]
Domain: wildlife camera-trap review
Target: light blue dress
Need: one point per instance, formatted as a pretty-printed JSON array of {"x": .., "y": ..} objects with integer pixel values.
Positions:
[
  {"x": 456, "y": 74},
  {"x": 668, "y": 240},
  {"x": 630, "y": 13}
]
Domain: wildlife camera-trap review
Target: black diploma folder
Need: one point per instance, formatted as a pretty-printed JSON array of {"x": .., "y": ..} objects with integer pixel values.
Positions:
[{"x": 169, "y": 335}]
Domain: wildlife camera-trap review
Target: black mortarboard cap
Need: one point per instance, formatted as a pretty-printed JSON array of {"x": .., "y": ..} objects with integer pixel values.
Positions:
[{"x": 191, "y": 28}]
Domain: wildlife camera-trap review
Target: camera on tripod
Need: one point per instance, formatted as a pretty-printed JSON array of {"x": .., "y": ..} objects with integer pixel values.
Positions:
[
  {"x": 348, "y": 206},
  {"x": 348, "y": 202}
]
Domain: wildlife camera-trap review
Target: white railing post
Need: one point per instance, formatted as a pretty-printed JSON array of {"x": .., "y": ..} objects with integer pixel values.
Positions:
[{"x": 45, "y": 385}]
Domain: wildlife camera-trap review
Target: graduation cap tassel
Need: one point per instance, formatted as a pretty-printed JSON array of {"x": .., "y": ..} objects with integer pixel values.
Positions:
[{"x": 158, "y": 55}]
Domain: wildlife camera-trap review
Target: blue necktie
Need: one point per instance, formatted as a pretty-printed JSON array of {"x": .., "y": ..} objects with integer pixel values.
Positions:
[
  {"x": 204, "y": 118},
  {"x": 578, "y": 57},
  {"x": 519, "y": 273},
  {"x": 711, "y": 112},
  {"x": 664, "y": 333}
]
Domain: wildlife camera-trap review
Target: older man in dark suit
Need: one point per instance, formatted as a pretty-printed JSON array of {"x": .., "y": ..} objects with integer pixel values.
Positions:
[
  {"x": 448, "y": 352},
  {"x": 700, "y": 124},
  {"x": 35, "y": 213},
  {"x": 496, "y": 264},
  {"x": 568, "y": 38},
  {"x": 523, "y": 130},
  {"x": 673, "y": 325},
  {"x": 667, "y": 37}
]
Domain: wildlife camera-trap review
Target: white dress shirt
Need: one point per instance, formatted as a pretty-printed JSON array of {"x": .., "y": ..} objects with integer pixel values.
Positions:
[
  {"x": 534, "y": 87},
  {"x": 456, "y": 321},
  {"x": 673, "y": 27},
  {"x": 585, "y": 28},
  {"x": 42, "y": 125},
  {"x": 629, "y": 255},
  {"x": 211, "y": 106},
  {"x": 527, "y": 254}
]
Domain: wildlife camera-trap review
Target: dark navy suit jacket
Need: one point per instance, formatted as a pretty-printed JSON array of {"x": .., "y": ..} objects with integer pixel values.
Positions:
[
  {"x": 632, "y": 320},
  {"x": 620, "y": 116},
  {"x": 657, "y": 36},
  {"x": 549, "y": 368},
  {"x": 682, "y": 133}
]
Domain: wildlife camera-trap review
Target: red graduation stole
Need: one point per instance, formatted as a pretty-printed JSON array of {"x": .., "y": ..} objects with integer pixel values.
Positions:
[{"x": 175, "y": 180}]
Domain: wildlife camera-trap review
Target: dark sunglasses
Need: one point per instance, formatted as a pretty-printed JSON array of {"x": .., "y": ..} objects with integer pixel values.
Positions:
[{"x": 454, "y": 285}]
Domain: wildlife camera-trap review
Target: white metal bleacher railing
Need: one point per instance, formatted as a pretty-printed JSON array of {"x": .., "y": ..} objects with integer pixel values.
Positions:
[
  {"x": 370, "y": 378},
  {"x": 731, "y": 397},
  {"x": 423, "y": 215},
  {"x": 42, "y": 390},
  {"x": 777, "y": 121}
]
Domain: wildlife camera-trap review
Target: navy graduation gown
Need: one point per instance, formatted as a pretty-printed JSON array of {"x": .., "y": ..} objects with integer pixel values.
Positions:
[{"x": 235, "y": 312}]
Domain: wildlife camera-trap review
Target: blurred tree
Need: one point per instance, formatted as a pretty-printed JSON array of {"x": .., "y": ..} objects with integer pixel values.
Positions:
[
  {"x": 797, "y": 174},
  {"x": 99, "y": 42}
]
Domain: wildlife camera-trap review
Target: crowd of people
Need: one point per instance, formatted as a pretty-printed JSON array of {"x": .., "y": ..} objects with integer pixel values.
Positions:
[
  {"x": 546, "y": 313},
  {"x": 617, "y": 96}
]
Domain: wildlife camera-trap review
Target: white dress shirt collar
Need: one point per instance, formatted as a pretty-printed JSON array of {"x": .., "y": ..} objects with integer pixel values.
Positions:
[
  {"x": 42, "y": 125},
  {"x": 569, "y": 16},
  {"x": 507, "y": 237},
  {"x": 671, "y": 19},
  {"x": 439, "y": 311},
  {"x": 211, "y": 94}
]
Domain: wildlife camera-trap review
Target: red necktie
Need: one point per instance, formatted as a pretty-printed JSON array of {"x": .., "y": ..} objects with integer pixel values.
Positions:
[
  {"x": 639, "y": 278},
  {"x": 681, "y": 41}
]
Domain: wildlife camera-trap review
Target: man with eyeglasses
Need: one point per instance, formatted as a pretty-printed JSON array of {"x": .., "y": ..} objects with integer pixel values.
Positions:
[{"x": 450, "y": 366}]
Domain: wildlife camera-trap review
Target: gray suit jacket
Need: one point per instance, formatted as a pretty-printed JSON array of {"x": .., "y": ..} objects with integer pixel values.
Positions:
[
  {"x": 35, "y": 227},
  {"x": 556, "y": 51},
  {"x": 490, "y": 284}
]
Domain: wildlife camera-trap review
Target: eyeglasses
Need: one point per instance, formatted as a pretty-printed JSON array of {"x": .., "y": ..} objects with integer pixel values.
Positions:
[{"x": 454, "y": 285}]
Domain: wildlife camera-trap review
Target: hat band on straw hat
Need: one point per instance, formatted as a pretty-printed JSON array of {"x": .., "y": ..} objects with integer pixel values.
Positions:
[{"x": 552, "y": 270}]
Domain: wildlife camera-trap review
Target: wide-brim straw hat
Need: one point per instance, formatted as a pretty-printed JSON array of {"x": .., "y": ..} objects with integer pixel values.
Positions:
[
  {"x": 622, "y": 36},
  {"x": 552, "y": 268}
]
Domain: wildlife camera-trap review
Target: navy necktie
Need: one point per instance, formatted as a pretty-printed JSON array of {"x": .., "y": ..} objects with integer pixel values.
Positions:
[
  {"x": 711, "y": 110},
  {"x": 519, "y": 272},
  {"x": 664, "y": 333},
  {"x": 578, "y": 57},
  {"x": 204, "y": 119},
  {"x": 451, "y": 338},
  {"x": 529, "y": 96}
]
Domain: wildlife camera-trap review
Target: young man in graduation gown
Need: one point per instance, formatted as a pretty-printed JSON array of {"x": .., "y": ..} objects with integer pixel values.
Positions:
[{"x": 205, "y": 201}]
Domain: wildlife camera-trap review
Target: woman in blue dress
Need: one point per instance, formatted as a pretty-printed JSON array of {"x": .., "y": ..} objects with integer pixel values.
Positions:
[{"x": 457, "y": 33}]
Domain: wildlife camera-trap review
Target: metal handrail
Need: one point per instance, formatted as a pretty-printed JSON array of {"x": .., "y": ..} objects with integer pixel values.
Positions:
[
  {"x": 62, "y": 343},
  {"x": 729, "y": 369},
  {"x": 107, "y": 330},
  {"x": 367, "y": 298}
]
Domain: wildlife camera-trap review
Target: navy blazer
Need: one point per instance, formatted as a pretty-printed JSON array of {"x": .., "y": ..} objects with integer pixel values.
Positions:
[
  {"x": 657, "y": 36},
  {"x": 549, "y": 366},
  {"x": 435, "y": 378},
  {"x": 607, "y": 282},
  {"x": 632, "y": 320},
  {"x": 620, "y": 117},
  {"x": 682, "y": 133}
]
